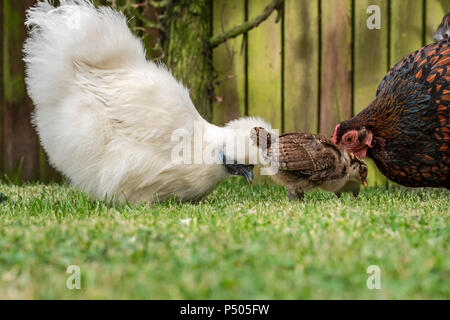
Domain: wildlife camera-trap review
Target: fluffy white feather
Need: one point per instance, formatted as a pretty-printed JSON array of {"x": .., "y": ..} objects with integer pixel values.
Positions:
[{"x": 105, "y": 115}]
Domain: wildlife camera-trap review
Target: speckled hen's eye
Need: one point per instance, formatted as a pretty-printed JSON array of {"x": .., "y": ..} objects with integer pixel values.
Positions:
[{"x": 349, "y": 139}]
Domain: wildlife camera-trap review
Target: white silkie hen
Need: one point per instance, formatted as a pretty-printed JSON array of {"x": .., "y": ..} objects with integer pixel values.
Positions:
[{"x": 110, "y": 120}]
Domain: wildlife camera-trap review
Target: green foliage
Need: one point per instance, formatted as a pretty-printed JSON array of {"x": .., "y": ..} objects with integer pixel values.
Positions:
[
  {"x": 13, "y": 82},
  {"x": 145, "y": 19},
  {"x": 242, "y": 241},
  {"x": 16, "y": 178}
]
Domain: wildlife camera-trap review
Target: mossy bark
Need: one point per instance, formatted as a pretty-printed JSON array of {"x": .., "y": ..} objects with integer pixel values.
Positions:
[{"x": 188, "y": 30}]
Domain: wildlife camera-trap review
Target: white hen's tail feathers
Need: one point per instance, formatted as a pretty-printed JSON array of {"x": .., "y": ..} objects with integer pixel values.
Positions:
[{"x": 57, "y": 43}]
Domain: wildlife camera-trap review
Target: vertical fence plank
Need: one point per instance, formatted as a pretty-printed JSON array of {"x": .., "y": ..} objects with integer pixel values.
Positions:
[
  {"x": 370, "y": 64},
  {"x": 1, "y": 90},
  {"x": 435, "y": 11},
  {"x": 406, "y": 28},
  {"x": 229, "y": 62},
  {"x": 20, "y": 140},
  {"x": 301, "y": 66},
  {"x": 336, "y": 87},
  {"x": 264, "y": 66}
]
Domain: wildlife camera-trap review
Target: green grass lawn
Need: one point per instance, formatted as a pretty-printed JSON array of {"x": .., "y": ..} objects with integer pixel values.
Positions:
[{"x": 240, "y": 242}]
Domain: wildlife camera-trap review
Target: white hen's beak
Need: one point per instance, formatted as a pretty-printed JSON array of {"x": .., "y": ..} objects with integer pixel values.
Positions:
[{"x": 244, "y": 170}]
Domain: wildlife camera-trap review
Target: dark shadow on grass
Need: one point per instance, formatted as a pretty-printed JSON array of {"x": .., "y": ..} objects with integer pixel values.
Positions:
[{"x": 3, "y": 198}]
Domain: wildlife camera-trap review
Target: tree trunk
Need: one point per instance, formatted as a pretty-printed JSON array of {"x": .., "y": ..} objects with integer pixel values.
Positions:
[{"x": 188, "y": 30}]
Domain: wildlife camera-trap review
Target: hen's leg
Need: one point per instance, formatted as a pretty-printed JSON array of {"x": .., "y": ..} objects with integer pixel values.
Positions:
[{"x": 291, "y": 196}]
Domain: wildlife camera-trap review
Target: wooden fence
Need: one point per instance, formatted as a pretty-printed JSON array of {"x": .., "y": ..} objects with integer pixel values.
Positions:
[
  {"x": 320, "y": 64},
  {"x": 314, "y": 68}
]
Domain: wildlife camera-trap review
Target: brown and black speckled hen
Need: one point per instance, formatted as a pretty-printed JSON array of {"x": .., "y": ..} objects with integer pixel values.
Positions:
[{"x": 406, "y": 129}]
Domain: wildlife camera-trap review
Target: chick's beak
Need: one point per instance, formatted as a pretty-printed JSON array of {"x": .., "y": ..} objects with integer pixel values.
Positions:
[{"x": 364, "y": 183}]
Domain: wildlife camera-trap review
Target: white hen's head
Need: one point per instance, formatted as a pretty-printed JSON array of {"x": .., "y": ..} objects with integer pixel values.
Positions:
[{"x": 240, "y": 154}]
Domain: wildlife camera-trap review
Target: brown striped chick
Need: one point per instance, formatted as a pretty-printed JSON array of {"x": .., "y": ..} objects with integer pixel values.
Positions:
[{"x": 307, "y": 161}]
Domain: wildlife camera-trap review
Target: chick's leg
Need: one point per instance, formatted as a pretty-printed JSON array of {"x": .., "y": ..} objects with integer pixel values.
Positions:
[
  {"x": 296, "y": 195},
  {"x": 355, "y": 194},
  {"x": 291, "y": 195}
]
